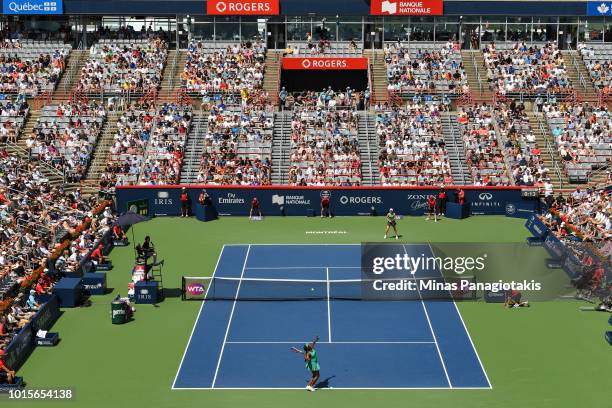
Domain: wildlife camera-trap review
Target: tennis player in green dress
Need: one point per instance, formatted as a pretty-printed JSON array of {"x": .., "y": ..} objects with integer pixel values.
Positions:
[{"x": 312, "y": 362}]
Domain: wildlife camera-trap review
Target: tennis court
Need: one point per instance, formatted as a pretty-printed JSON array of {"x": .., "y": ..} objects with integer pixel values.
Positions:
[{"x": 238, "y": 344}]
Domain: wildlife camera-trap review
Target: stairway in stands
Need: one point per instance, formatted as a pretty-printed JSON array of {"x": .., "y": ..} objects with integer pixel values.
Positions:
[
  {"x": 101, "y": 153},
  {"x": 476, "y": 72},
  {"x": 281, "y": 147},
  {"x": 550, "y": 155},
  {"x": 194, "y": 147},
  {"x": 71, "y": 75},
  {"x": 578, "y": 75},
  {"x": 271, "y": 80},
  {"x": 379, "y": 74},
  {"x": 368, "y": 148},
  {"x": 171, "y": 75},
  {"x": 455, "y": 149}
]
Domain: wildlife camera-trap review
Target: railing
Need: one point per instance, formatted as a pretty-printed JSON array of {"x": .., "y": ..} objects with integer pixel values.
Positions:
[
  {"x": 282, "y": 140},
  {"x": 550, "y": 148},
  {"x": 370, "y": 158},
  {"x": 173, "y": 70},
  {"x": 52, "y": 171},
  {"x": 475, "y": 66},
  {"x": 502, "y": 139},
  {"x": 575, "y": 64}
]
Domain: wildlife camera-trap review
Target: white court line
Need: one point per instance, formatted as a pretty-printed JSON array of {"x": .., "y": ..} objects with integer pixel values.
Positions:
[
  {"x": 229, "y": 323},
  {"x": 432, "y": 330},
  {"x": 331, "y": 342},
  {"x": 195, "y": 323},
  {"x": 469, "y": 337},
  {"x": 329, "y": 336},
  {"x": 302, "y": 267},
  {"x": 301, "y": 389},
  {"x": 408, "y": 244}
]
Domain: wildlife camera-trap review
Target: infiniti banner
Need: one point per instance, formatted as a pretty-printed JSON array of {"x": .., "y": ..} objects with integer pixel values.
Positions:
[{"x": 27, "y": 7}]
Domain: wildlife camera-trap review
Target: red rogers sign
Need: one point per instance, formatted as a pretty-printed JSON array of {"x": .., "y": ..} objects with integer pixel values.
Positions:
[
  {"x": 315, "y": 63},
  {"x": 406, "y": 8},
  {"x": 242, "y": 7}
]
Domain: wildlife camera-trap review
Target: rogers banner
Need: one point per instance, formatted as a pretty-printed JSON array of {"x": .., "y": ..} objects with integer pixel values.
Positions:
[
  {"x": 242, "y": 7},
  {"x": 325, "y": 63},
  {"x": 406, "y": 8}
]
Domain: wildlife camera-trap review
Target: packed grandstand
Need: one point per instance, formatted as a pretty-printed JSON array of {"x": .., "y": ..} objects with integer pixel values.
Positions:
[{"x": 133, "y": 108}]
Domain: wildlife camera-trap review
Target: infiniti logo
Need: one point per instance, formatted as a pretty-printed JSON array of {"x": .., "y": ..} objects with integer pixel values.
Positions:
[{"x": 485, "y": 196}]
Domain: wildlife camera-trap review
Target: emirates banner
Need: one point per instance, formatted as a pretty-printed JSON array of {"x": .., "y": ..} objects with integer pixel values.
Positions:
[
  {"x": 406, "y": 8},
  {"x": 242, "y": 7},
  {"x": 324, "y": 63}
]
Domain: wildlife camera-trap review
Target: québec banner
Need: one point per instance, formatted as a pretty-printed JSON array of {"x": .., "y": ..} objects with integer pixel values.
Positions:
[
  {"x": 242, "y": 7},
  {"x": 27, "y": 7},
  {"x": 406, "y": 8},
  {"x": 325, "y": 63},
  {"x": 297, "y": 201}
]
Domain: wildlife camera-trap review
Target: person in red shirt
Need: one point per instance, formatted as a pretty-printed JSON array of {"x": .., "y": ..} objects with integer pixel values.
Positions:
[
  {"x": 254, "y": 208},
  {"x": 431, "y": 205},
  {"x": 118, "y": 233},
  {"x": 184, "y": 203},
  {"x": 6, "y": 374},
  {"x": 461, "y": 196},
  {"x": 97, "y": 255},
  {"x": 514, "y": 300},
  {"x": 325, "y": 207}
]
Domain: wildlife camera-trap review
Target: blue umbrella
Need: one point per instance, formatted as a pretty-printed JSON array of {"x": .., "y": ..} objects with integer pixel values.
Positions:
[{"x": 130, "y": 218}]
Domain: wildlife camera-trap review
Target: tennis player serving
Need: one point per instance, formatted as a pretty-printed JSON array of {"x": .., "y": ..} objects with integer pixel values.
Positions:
[
  {"x": 312, "y": 362},
  {"x": 391, "y": 222}
]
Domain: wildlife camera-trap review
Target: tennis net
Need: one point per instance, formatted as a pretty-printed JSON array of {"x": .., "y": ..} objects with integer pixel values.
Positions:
[{"x": 220, "y": 288}]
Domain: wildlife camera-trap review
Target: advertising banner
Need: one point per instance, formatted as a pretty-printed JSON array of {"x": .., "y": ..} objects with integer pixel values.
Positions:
[
  {"x": 19, "y": 349},
  {"x": 325, "y": 63},
  {"x": 302, "y": 201},
  {"x": 599, "y": 8},
  {"x": 242, "y": 7},
  {"x": 406, "y": 8},
  {"x": 46, "y": 315},
  {"x": 28, "y": 7}
]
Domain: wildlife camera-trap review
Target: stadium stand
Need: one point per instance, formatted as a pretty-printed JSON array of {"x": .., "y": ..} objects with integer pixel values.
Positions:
[
  {"x": 485, "y": 156},
  {"x": 148, "y": 146},
  {"x": 125, "y": 65},
  {"x": 421, "y": 66},
  {"x": 65, "y": 136},
  {"x": 324, "y": 147},
  {"x": 323, "y": 48},
  {"x": 223, "y": 67},
  {"x": 42, "y": 227},
  {"x": 516, "y": 68},
  {"x": 522, "y": 150},
  {"x": 31, "y": 67},
  {"x": 412, "y": 146},
  {"x": 237, "y": 147},
  {"x": 582, "y": 135},
  {"x": 598, "y": 61},
  {"x": 13, "y": 113}
]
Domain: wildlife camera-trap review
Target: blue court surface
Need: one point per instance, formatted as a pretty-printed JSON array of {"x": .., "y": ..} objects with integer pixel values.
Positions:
[{"x": 417, "y": 344}]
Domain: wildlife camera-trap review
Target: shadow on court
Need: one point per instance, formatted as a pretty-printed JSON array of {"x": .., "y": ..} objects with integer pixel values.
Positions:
[{"x": 324, "y": 383}]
